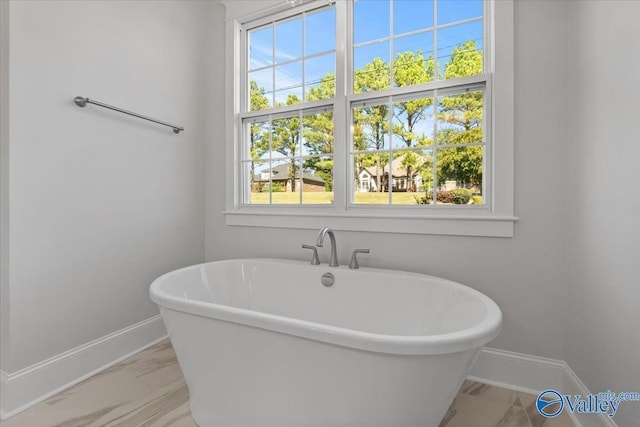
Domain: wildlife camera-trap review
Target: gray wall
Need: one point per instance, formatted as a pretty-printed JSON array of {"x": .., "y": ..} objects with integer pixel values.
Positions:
[
  {"x": 524, "y": 275},
  {"x": 99, "y": 203},
  {"x": 603, "y": 207}
]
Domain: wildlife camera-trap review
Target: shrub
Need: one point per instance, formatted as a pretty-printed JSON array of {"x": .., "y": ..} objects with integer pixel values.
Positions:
[
  {"x": 445, "y": 197},
  {"x": 458, "y": 196},
  {"x": 461, "y": 196},
  {"x": 426, "y": 200},
  {"x": 477, "y": 200},
  {"x": 277, "y": 187}
]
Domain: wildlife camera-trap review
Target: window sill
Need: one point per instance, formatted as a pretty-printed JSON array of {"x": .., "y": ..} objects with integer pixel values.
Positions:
[{"x": 470, "y": 225}]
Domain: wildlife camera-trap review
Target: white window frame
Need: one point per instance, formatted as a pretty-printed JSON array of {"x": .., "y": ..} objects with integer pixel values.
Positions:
[{"x": 495, "y": 218}]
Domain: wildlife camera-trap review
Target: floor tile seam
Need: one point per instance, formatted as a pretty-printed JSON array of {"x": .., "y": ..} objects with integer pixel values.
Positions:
[{"x": 145, "y": 399}]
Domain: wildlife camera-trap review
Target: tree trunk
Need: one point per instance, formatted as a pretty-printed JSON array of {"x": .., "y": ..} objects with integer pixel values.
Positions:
[
  {"x": 292, "y": 175},
  {"x": 378, "y": 183}
]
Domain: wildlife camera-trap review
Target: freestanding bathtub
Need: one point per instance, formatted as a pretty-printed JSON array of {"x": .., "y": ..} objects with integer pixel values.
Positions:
[{"x": 262, "y": 343}]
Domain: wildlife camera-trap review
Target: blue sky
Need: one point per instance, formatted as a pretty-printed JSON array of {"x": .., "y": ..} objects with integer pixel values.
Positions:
[{"x": 284, "y": 48}]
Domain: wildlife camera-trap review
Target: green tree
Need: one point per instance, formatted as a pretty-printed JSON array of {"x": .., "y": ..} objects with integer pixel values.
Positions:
[
  {"x": 371, "y": 122},
  {"x": 285, "y": 139},
  {"x": 257, "y": 98},
  {"x": 325, "y": 90},
  {"x": 462, "y": 117},
  {"x": 373, "y": 77},
  {"x": 259, "y": 134},
  {"x": 258, "y": 131},
  {"x": 318, "y": 132},
  {"x": 411, "y": 68}
]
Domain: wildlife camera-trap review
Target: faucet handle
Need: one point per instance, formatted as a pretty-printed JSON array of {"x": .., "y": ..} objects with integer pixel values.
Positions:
[
  {"x": 315, "y": 260},
  {"x": 354, "y": 259}
]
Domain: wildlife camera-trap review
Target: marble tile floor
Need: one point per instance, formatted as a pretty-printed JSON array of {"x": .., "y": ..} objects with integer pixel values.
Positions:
[{"x": 148, "y": 390}]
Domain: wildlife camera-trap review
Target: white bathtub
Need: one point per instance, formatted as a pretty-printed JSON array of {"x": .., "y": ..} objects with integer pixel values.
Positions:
[{"x": 262, "y": 343}]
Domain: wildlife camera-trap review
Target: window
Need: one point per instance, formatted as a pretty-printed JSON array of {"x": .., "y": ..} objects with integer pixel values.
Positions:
[
  {"x": 383, "y": 111},
  {"x": 289, "y": 92}
]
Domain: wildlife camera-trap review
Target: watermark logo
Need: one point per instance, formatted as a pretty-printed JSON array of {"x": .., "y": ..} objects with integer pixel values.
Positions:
[{"x": 550, "y": 403}]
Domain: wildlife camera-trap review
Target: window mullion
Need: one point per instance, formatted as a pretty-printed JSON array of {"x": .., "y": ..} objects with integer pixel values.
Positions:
[
  {"x": 340, "y": 113},
  {"x": 436, "y": 67},
  {"x": 434, "y": 190},
  {"x": 391, "y": 39},
  {"x": 390, "y": 152},
  {"x": 299, "y": 157},
  {"x": 489, "y": 179},
  {"x": 452, "y": 85},
  {"x": 304, "y": 56},
  {"x": 273, "y": 64},
  {"x": 270, "y": 160},
  {"x": 283, "y": 110},
  {"x": 487, "y": 25}
]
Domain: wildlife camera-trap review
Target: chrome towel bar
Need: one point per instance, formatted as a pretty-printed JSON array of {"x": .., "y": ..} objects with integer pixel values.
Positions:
[{"x": 82, "y": 102}]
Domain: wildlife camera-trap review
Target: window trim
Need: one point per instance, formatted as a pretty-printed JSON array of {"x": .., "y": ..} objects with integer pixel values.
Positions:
[{"x": 496, "y": 219}]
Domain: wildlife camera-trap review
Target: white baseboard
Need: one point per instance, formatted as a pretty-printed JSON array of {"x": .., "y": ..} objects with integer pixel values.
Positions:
[
  {"x": 23, "y": 389},
  {"x": 533, "y": 374},
  {"x": 572, "y": 385},
  {"x": 517, "y": 371}
]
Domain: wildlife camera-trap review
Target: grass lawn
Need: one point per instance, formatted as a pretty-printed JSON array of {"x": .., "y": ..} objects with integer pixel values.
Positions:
[{"x": 327, "y": 197}]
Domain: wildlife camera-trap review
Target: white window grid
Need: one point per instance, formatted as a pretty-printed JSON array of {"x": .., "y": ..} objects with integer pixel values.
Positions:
[
  {"x": 304, "y": 58},
  {"x": 345, "y": 100},
  {"x": 299, "y": 158},
  {"x": 479, "y": 83}
]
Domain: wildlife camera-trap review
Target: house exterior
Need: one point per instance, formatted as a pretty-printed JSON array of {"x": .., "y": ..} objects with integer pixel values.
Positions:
[
  {"x": 280, "y": 177},
  {"x": 368, "y": 176}
]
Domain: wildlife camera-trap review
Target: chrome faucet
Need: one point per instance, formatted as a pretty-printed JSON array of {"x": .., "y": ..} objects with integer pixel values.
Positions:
[{"x": 333, "y": 260}]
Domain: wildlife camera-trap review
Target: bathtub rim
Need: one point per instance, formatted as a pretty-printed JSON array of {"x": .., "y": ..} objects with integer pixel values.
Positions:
[{"x": 467, "y": 339}]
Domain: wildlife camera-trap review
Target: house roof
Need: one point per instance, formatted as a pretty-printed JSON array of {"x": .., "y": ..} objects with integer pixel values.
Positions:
[
  {"x": 281, "y": 173},
  {"x": 397, "y": 168}
]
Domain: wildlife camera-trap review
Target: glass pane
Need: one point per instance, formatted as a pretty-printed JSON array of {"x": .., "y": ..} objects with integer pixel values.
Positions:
[
  {"x": 317, "y": 180},
  {"x": 460, "y": 168},
  {"x": 460, "y": 50},
  {"x": 371, "y": 127},
  {"x": 457, "y": 10},
  {"x": 285, "y": 138},
  {"x": 413, "y": 123},
  {"x": 260, "y": 48},
  {"x": 404, "y": 176},
  {"x": 413, "y": 59},
  {"x": 320, "y": 32},
  {"x": 289, "y": 40},
  {"x": 320, "y": 79},
  {"x": 411, "y": 15},
  {"x": 460, "y": 118},
  {"x": 285, "y": 181},
  {"x": 371, "y": 20},
  {"x": 258, "y": 177},
  {"x": 424, "y": 179},
  {"x": 317, "y": 134},
  {"x": 371, "y": 67},
  {"x": 370, "y": 178},
  {"x": 258, "y": 140},
  {"x": 288, "y": 90},
  {"x": 261, "y": 89}
]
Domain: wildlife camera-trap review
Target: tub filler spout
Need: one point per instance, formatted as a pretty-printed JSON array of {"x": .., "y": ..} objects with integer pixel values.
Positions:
[{"x": 333, "y": 259}]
